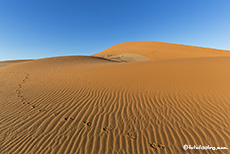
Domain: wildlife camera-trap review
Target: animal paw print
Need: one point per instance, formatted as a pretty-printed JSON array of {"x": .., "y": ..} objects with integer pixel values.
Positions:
[
  {"x": 153, "y": 145},
  {"x": 41, "y": 110},
  {"x": 107, "y": 129},
  {"x": 87, "y": 123},
  {"x": 72, "y": 118},
  {"x": 130, "y": 135},
  {"x": 158, "y": 145}
]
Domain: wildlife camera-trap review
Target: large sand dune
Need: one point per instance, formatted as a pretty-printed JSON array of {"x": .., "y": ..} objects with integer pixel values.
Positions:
[
  {"x": 158, "y": 51},
  {"x": 88, "y": 104}
]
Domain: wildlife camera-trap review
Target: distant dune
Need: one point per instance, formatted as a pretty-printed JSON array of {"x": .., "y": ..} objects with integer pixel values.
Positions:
[
  {"x": 159, "y": 50},
  {"x": 10, "y": 62},
  {"x": 134, "y": 97}
]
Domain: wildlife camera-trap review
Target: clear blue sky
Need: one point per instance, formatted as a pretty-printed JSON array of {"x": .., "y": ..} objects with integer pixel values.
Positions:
[{"x": 46, "y": 28}]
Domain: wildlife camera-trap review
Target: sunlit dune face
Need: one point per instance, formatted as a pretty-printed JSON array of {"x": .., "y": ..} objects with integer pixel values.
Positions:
[{"x": 146, "y": 97}]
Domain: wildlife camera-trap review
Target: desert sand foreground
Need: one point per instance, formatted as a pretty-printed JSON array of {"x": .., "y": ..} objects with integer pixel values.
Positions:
[{"x": 136, "y": 97}]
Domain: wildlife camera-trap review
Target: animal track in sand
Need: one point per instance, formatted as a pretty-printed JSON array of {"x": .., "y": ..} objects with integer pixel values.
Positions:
[
  {"x": 71, "y": 118},
  {"x": 107, "y": 129},
  {"x": 131, "y": 135},
  {"x": 158, "y": 145},
  {"x": 153, "y": 145},
  {"x": 19, "y": 91},
  {"x": 41, "y": 110},
  {"x": 87, "y": 123}
]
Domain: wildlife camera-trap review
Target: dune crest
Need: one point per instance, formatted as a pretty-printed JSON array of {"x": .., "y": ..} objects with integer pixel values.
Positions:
[
  {"x": 159, "y": 50},
  {"x": 10, "y": 62}
]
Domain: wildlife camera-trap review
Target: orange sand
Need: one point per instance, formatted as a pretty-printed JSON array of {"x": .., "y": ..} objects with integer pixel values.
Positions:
[
  {"x": 10, "y": 62},
  {"x": 127, "y": 100}
]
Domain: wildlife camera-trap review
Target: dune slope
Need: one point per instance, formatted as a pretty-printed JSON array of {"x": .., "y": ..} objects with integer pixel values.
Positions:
[
  {"x": 93, "y": 105},
  {"x": 10, "y": 62},
  {"x": 158, "y": 51}
]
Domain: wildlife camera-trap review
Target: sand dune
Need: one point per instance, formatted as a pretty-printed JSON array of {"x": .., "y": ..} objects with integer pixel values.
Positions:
[
  {"x": 87, "y": 104},
  {"x": 159, "y": 50},
  {"x": 10, "y": 62}
]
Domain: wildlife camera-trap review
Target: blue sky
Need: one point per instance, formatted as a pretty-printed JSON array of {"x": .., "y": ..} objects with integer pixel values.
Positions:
[{"x": 46, "y": 28}]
